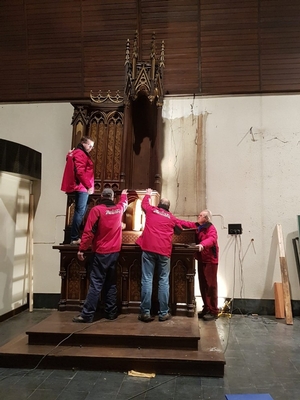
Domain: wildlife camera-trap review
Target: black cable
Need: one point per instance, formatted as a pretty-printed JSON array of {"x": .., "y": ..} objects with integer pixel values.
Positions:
[
  {"x": 233, "y": 290},
  {"x": 72, "y": 333},
  {"x": 152, "y": 387}
]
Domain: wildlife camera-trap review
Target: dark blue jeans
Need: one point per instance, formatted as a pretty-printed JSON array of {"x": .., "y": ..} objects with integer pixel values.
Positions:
[
  {"x": 149, "y": 261},
  {"x": 103, "y": 278},
  {"x": 81, "y": 199}
]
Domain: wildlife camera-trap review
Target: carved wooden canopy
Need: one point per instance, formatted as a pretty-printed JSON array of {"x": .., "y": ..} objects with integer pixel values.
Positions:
[
  {"x": 126, "y": 130},
  {"x": 144, "y": 76}
]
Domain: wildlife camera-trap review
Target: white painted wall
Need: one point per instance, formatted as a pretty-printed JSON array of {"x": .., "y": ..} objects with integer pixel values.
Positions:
[
  {"x": 14, "y": 254},
  {"x": 47, "y": 129},
  {"x": 250, "y": 179}
]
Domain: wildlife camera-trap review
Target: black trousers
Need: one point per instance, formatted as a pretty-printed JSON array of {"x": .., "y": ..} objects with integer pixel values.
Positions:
[{"x": 102, "y": 279}]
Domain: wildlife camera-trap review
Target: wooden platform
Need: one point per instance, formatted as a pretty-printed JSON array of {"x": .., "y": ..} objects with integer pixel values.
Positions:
[{"x": 170, "y": 347}]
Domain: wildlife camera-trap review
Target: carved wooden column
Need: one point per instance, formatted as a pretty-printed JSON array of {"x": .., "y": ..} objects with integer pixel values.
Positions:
[
  {"x": 74, "y": 282},
  {"x": 125, "y": 284},
  {"x": 157, "y": 151},
  {"x": 80, "y": 122},
  {"x": 125, "y": 176}
]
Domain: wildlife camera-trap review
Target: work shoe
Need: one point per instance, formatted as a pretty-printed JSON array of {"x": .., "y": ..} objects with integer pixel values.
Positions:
[
  {"x": 80, "y": 319},
  {"x": 111, "y": 317},
  {"x": 76, "y": 242},
  {"x": 145, "y": 318},
  {"x": 210, "y": 317},
  {"x": 201, "y": 314},
  {"x": 165, "y": 317}
]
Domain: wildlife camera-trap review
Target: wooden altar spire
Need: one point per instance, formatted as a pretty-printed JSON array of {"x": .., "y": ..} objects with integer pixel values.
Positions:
[{"x": 143, "y": 98}]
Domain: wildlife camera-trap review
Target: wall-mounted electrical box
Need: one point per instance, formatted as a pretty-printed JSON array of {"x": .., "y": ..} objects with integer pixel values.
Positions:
[{"x": 235, "y": 229}]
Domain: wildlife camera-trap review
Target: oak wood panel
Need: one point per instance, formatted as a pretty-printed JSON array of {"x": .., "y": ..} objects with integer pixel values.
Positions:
[
  {"x": 105, "y": 29},
  {"x": 13, "y": 55},
  {"x": 177, "y": 23},
  {"x": 229, "y": 47},
  {"x": 280, "y": 45},
  {"x": 63, "y": 49},
  {"x": 54, "y": 48}
]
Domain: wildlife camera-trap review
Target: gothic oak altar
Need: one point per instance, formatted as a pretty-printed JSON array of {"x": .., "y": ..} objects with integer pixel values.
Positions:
[{"x": 128, "y": 136}]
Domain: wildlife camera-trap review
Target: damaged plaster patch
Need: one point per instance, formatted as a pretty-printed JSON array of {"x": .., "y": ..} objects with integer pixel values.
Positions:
[{"x": 183, "y": 163}]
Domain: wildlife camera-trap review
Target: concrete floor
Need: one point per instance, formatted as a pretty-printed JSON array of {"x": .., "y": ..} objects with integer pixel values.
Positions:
[{"x": 262, "y": 356}]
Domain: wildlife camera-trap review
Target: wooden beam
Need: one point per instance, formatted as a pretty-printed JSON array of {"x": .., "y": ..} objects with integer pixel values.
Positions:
[
  {"x": 284, "y": 278},
  {"x": 279, "y": 302}
]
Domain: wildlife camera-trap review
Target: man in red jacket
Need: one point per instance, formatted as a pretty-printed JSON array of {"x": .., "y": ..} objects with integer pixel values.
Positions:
[
  {"x": 208, "y": 258},
  {"x": 78, "y": 178},
  {"x": 156, "y": 243},
  {"x": 103, "y": 229}
]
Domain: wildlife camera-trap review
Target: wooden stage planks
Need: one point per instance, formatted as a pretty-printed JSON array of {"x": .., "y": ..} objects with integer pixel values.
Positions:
[{"x": 182, "y": 345}]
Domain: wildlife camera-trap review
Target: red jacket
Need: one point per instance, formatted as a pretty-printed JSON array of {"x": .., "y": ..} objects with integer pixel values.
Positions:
[
  {"x": 159, "y": 228},
  {"x": 79, "y": 172},
  {"x": 103, "y": 228},
  {"x": 208, "y": 237}
]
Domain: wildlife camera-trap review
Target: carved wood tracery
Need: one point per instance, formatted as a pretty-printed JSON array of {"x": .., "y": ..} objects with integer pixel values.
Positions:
[
  {"x": 75, "y": 281},
  {"x": 106, "y": 127}
]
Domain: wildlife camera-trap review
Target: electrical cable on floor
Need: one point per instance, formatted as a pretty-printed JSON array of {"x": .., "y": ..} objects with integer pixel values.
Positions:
[
  {"x": 66, "y": 338},
  {"x": 241, "y": 267},
  {"x": 62, "y": 341},
  {"x": 237, "y": 247},
  {"x": 232, "y": 299},
  {"x": 256, "y": 317},
  {"x": 152, "y": 387},
  {"x": 231, "y": 302}
]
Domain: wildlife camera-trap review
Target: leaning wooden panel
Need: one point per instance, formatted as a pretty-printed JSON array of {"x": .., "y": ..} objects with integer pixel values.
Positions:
[
  {"x": 279, "y": 301},
  {"x": 285, "y": 278}
]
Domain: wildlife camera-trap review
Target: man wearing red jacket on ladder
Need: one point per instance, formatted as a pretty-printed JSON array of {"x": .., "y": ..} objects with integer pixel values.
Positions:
[
  {"x": 103, "y": 229},
  {"x": 78, "y": 178}
]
